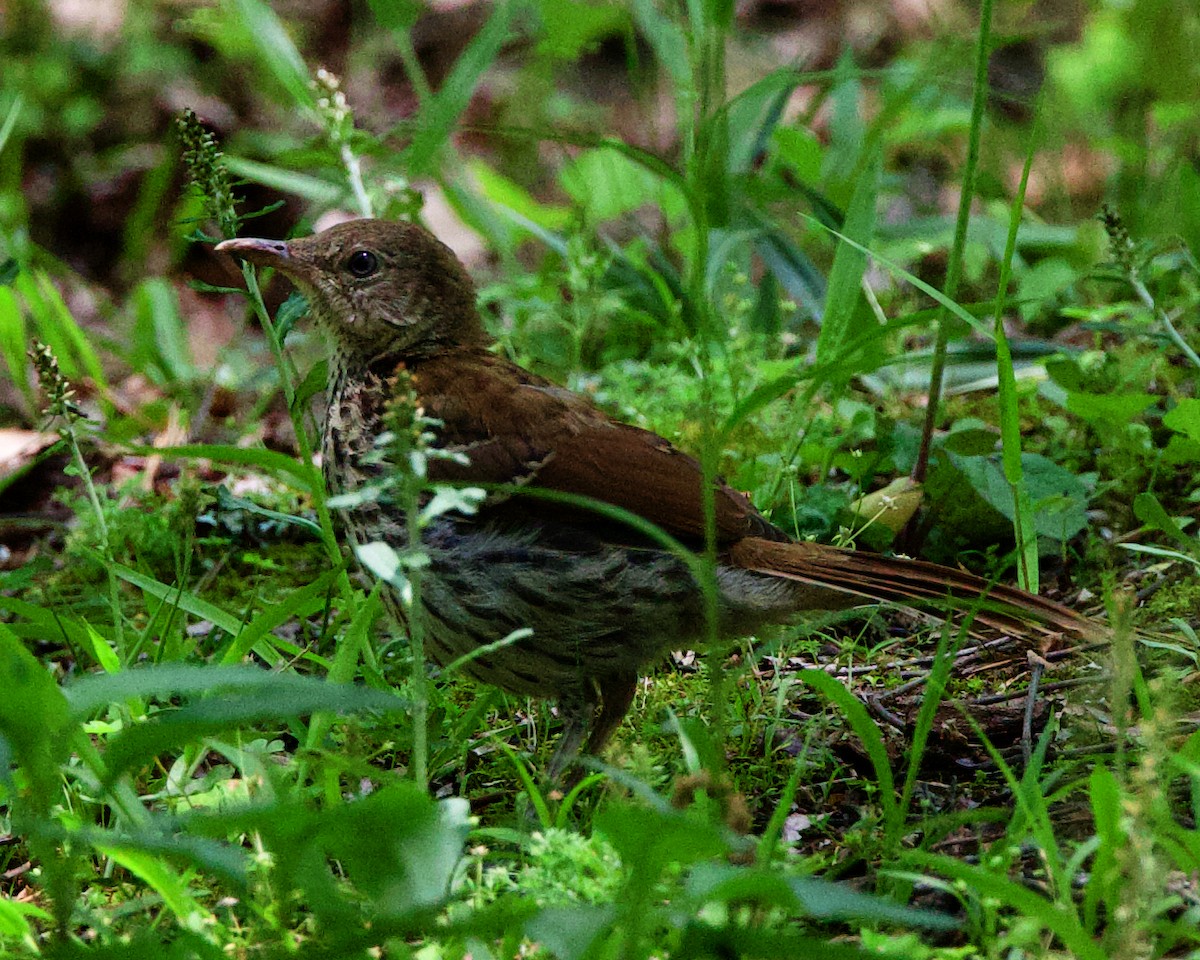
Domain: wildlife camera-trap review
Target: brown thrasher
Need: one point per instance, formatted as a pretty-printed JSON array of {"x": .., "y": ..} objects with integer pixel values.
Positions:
[{"x": 601, "y": 599}]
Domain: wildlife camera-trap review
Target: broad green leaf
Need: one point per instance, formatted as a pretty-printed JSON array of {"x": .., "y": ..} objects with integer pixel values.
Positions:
[
  {"x": 648, "y": 839},
  {"x": 35, "y": 722},
  {"x": 572, "y": 27},
  {"x": 1148, "y": 509},
  {"x": 568, "y": 932},
  {"x": 269, "y": 697},
  {"x": 1059, "y": 498},
  {"x": 397, "y": 846},
  {"x": 609, "y": 184},
  {"x": 1108, "y": 409},
  {"x": 1184, "y": 418}
]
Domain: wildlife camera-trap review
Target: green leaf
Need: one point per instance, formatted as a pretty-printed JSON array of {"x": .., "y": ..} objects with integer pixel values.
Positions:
[
  {"x": 792, "y": 267},
  {"x": 808, "y": 896},
  {"x": 569, "y": 932},
  {"x": 670, "y": 43},
  {"x": 895, "y": 268},
  {"x": 1057, "y": 918},
  {"x": 608, "y": 184},
  {"x": 384, "y": 562},
  {"x": 163, "y": 880},
  {"x": 180, "y": 598},
  {"x": 14, "y": 341},
  {"x": 1108, "y": 409},
  {"x": 1184, "y": 418},
  {"x": 302, "y": 185},
  {"x": 35, "y": 724},
  {"x": 1105, "y": 795},
  {"x": 302, "y": 475},
  {"x": 161, "y": 338},
  {"x": 1146, "y": 507},
  {"x": 298, "y": 604},
  {"x": 14, "y": 922},
  {"x": 800, "y": 149},
  {"x": 227, "y": 501},
  {"x": 441, "y": 112},
  {"x": 155, "y": 840},
  {"x": 233, "y": 697},
  {"x": 104, "y": 654},
  {"x": 397, "y": 846},
  {"x": 1059, "y": 498},
  {"x": 867, "y": 732},
  {"x": 313, "y": 383},
  {"x": 571, "y": 27},
  {"x": 849, "y": 262},
  {"x": 971, "y": 442},
  {"x": 648, "y": 839},
  {"x": 10, "y": 121},
  {"x": 274, "y": 49},
  {"x": 510, "y": 195},
  {"x": 293, "y": 309},
  {"x": 57, "y": 326}
]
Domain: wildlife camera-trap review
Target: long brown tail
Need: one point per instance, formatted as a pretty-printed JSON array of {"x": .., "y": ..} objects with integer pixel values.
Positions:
[{"x": 876, "y": 577}]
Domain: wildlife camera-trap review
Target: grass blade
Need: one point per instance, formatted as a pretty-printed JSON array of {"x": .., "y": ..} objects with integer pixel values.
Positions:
[
  {"x": 850, "y": 260},
  {"x": 440, "y": 114}
]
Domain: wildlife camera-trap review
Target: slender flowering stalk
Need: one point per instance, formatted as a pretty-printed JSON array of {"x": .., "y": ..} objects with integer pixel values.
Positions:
[
  {"x": 210, "y": 178},
  {"x": 1125, "y": 254},
  {"x": 61, "y": 407},
  {"x": 207, "y": 172},
  {"x": 338, "y": 120},
  {"x": 403, "y": 450}
]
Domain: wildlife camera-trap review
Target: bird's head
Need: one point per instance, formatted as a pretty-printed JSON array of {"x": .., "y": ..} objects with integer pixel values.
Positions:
[{"x": 378, "y": 288}]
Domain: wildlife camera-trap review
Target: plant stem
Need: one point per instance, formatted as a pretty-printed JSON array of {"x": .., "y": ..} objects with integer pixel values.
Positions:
[
  {"x": 954, "y": 268},
  {"x": 299, "y": 427},
  {"x": 114, "y": 592},
  {"x": 1151, "y": 304},
  {"x": 416, "y": 642},
  {"x": 354, "y": 174}
]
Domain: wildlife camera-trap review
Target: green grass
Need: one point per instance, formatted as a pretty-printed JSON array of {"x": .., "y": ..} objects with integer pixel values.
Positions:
[{"x": 214, "y": 744}]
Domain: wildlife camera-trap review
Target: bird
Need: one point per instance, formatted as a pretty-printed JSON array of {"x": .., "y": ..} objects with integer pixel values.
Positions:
[{"x": 599, "y": 599}]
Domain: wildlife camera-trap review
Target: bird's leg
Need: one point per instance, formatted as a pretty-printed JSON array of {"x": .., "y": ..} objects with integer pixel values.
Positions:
[
  {"x": 616, "y": 696},
  {"x": 576, "y": 710},
  {"x": 581, "y": 718}
]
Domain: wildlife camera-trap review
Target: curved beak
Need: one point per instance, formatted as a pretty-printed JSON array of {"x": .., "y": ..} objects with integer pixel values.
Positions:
[{"x": 262, "y": 253}]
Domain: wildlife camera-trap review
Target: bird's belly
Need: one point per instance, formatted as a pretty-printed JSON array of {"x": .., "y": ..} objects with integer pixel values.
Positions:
[
  {"x": 581, "y": 614},
  {"x": 558, "y": 610}
]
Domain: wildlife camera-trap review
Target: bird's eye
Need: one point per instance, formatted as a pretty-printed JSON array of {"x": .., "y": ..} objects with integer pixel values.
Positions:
[{"x": 362, "y": 263}]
